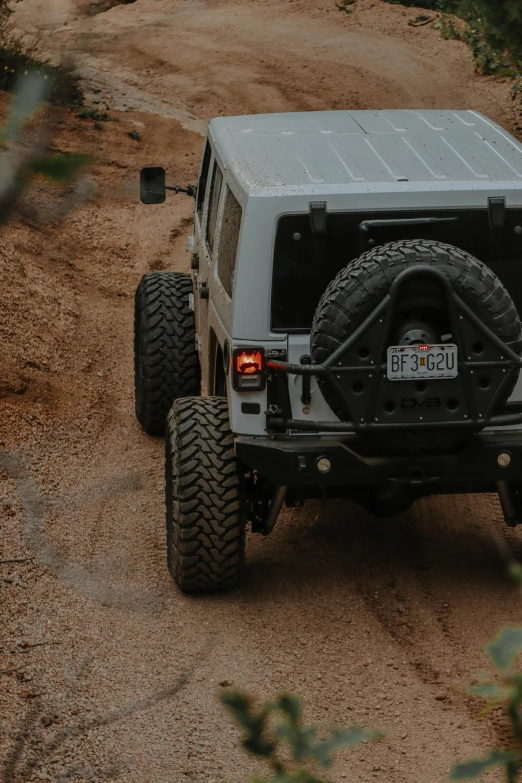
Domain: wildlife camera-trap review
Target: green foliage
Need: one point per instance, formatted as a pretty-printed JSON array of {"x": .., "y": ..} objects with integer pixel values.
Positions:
[
  {"x": 448, "y": 30},
  {"x": 504, "y": 649},
  {"x": 93, "y": 114},
  {"x": 493, "y": 30},
  {"x": 431, "y": 5},
  {"x": 134, "y": 134},
  {"x": 18, "y": 168},
  {"x": 498, "y": 22},
  {"x": 507, "y": 694},
  {"x": 344, "y": 5},
  {"x": 16, "y": 56},
  {"x": 279, "y": 722},
  {"x": 61, "y": 167},
  {"x": 477, "y": 767},
  {"x": 31, "y": 91},
  {"x": 16, "y": 59}
]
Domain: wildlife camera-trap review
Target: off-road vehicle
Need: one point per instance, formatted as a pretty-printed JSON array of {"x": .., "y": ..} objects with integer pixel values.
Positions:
[{"x": 353, "y": 317}]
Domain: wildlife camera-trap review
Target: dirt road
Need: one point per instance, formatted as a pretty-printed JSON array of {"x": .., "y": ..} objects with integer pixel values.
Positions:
[{"x": 377, "y": 623}]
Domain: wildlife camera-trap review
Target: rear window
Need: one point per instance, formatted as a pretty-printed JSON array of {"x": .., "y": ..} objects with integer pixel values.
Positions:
[
  {"x": 213, "y": 203},
  {"x": 305, "y": 263},
  {"x": 228, "y": 242}
]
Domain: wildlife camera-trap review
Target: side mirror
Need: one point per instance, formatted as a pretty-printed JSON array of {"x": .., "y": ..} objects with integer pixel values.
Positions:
[{"x": 152, "y": 185}]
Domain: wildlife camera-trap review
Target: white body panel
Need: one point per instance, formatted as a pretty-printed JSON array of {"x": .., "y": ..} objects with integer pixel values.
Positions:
[{"x": 356, "y": 161}]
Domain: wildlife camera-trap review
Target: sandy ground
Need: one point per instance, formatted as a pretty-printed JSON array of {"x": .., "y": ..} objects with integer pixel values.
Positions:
[{"x": 106, "y": 670}]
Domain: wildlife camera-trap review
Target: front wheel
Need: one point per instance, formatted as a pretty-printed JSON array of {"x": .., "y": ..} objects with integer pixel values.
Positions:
[
  {"x": 204, "y": 497},
  {"x": 166, "y": 361}
]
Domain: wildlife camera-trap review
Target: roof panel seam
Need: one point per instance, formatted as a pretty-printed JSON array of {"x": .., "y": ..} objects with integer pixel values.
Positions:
[
  {"x": 464, "y": 161},
  {"x": 389, "y": 170},
  {"x": 345, "y": 165},
  {"x": 419, "y": 156},
  {"x": 509, "y": 139},
  {"x": 502, "y": 158}
]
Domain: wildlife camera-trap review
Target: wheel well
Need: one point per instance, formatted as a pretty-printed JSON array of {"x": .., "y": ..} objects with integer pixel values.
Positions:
[{"x": 218, "y": 381}]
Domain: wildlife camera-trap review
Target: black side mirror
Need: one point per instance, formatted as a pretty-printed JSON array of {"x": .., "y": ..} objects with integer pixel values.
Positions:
[{"x": 152, "y": 185}]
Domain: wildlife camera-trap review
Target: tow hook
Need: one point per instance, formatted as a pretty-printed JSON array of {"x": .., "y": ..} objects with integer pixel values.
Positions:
[
  {"x": 274, "y": 510},
  {"x": 416, "y": 477},
  {"x": 508, "y": 501}
]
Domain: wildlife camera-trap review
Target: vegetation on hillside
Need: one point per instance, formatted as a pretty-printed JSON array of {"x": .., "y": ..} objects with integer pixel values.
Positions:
[
  {"x": 493, "y": 30},
  {"x": 22, "y": 159},
  {"x": 19, "y": 57}
]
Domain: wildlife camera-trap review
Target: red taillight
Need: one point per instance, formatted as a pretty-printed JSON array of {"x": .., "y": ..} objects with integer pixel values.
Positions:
[
  {"x": 248, "y": 367},
  {"x": 249, "y": 362},
  {"x": 424, "y": 347}
]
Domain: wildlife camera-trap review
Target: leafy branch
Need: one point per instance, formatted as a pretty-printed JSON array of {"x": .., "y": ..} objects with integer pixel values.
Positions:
[
  {"x": 20, "y": 162},
  {"x": 278, "y": 723},
  {"x": 506, "y": 693}
]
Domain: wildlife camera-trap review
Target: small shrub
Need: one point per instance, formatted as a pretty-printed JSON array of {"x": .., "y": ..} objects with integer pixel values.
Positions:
[
  {"x": 93, "y": 114},
  {"x": 493, "y": 30},
  {"x": 344, "y": 5},
  {"x": 18, "y": 57},
  {"x": 447, "y": 28},
  {"x": 30, "y": 95},
  {"x": 134, "y": 134}
]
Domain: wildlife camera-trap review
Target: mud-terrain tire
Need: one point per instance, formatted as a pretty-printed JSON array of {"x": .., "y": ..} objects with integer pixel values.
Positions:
[
  {"x": 361, "y": 286},
  {"x": 204, "y": 497},
  {"x": 166, "y": 362}
]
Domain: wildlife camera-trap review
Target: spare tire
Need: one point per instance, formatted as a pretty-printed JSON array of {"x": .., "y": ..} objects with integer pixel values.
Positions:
[{"x": 363, "y": 284}]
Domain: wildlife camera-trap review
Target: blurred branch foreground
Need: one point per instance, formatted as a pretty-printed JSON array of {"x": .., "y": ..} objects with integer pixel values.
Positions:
[
  {"x": 278, "y": 723},
  {"x": 24, "y": 153}
]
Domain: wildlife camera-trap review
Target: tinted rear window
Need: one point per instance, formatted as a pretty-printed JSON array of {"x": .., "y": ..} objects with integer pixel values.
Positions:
[
  {"x": 228, "y": 242},
  {"x": 304, "y": 262}
]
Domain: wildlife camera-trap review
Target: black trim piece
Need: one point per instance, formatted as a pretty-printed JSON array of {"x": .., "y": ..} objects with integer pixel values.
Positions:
[
  {"x": 292, "y": 461},
  {"x": 318, "y": 217},
  {"x": 366, "y": 225},
  {"x": 497, "y": 212},
  {"x": 253, "y": 408},
  {"x": 306, "y": 396}
]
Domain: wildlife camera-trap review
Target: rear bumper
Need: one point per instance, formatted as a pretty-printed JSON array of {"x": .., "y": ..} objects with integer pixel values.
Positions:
[{"x": 474, "y": 467}]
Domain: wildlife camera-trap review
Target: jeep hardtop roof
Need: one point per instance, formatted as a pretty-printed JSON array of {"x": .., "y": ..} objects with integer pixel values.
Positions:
[{"x": 358, "y": 151}]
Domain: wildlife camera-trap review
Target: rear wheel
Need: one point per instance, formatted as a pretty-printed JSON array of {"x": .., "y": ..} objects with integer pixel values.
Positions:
[
  {"x": 204, "y": 497},
  {"x": 166, "y": 362}
]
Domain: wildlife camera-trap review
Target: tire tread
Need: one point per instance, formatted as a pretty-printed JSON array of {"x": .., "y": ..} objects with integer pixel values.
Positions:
[
  {"x": 166, "y": 359},
  {"x": 205, "y": 519}
]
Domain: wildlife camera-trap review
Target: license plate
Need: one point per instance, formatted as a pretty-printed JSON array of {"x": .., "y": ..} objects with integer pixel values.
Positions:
[{"x": 414, "y": 362}]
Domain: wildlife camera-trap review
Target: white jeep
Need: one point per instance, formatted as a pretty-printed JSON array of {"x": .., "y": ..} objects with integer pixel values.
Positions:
[{"x": 353, "y": 314}]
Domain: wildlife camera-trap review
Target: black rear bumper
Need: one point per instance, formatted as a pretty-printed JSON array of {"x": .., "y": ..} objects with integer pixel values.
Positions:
[{"x": 474, "y": 467}]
